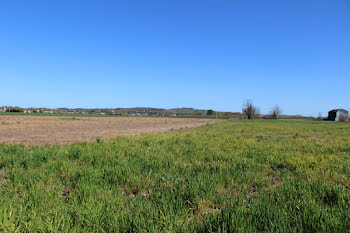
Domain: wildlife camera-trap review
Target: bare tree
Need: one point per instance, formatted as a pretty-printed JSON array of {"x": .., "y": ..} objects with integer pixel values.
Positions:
[
  {"x": 250, "y": 110},
  {"x": 343, "y": 117},
  {"x": 319, "y": 116},
  {"x": 276, "y": 112}
]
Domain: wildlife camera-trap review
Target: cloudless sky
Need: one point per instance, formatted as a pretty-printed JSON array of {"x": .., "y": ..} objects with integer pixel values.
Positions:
[{"x": 176, "y": 53}]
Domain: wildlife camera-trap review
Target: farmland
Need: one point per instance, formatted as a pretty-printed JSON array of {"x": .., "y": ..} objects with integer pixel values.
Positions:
[
  {"x": 40, "y": 130},
  {"x": 233, "y": 176}
]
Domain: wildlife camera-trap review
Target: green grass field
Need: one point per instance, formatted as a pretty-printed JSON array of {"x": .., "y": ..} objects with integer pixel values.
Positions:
[{"x": 238, "y": 176}]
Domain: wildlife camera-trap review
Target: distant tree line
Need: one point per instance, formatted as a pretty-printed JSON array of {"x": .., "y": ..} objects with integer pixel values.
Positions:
[{"x": 15, "y": 109}]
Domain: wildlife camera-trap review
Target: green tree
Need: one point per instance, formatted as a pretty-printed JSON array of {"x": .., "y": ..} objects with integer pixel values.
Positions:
[{"x": 210, "y": 112}]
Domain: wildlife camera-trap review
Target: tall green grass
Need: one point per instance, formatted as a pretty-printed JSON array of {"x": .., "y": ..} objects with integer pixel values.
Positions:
[{"x": 242, "y": 176}]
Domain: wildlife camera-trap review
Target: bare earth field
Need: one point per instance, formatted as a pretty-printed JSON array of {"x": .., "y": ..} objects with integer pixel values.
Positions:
[{"x": 39, "y": 130}]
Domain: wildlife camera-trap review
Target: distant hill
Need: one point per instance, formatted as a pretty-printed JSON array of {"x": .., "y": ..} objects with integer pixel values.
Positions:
[
  {"x": 137, "y": 111},
  {"x": 160, "y": 111},
  {"x": 141, "y": 111}
]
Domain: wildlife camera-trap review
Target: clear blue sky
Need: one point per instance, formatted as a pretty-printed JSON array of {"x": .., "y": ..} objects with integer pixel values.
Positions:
[{"x": 162, "y": 53}]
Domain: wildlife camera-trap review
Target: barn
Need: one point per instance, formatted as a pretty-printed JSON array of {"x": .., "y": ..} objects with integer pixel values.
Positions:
[{"x": 338, "y": 114}]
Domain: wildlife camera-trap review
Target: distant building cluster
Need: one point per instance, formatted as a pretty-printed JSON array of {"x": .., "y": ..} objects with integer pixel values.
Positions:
[
  {"x": 26, "y": 110},
  {"x": 138, "y": 111},
  {"x": 109, "y": 111}
]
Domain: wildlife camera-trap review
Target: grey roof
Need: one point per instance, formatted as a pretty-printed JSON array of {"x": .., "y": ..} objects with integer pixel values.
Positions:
[{"x": 336, "y": 110}]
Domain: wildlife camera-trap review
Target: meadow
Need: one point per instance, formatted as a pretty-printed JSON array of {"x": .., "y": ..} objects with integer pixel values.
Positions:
[{"x": 233, "y": 176}]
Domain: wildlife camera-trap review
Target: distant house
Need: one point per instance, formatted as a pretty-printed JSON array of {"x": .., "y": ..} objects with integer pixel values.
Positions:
[
  {"x": 62, "y": 110},
  {"x": 337, "y": 114},
  {"x": 48, "y": 111}
]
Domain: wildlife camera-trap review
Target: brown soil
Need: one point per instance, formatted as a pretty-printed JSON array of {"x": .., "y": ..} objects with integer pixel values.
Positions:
[{"x": 39, "y": 130}]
